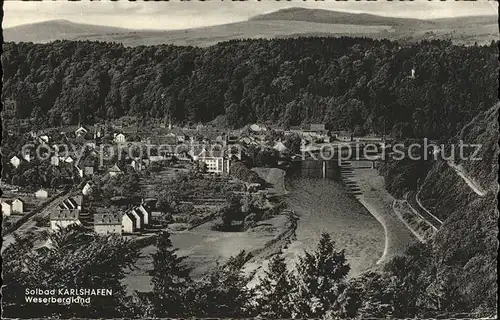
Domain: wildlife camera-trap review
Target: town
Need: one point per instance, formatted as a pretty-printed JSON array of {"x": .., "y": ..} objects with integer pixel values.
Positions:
[{"x": 109, "y": 177}]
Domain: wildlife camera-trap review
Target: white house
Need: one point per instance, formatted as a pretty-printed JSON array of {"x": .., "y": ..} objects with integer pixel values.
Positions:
[
  {"x": 42, "y": 194},
  {"x": 54, "y": 160},
  {"x": 64, "y": 218},
  {"x": 138, "y": 165},
  {"x": 114, "y": 171},
  {"x": 128, "y": 222},
  {"x": 27, "y": 156},
  {"x": 81, "y": 131},
  {"x": 279, "y": 146},
  {"x": 119, "y": 138},
  {"x": 6, "y": 207},
  {"x": 15, "y": 161},
  {"x": 108, "y": 223},
  {"x": 87, "y": 189},
  {"x": 257, "y": 128},
  {"x": 44, "y": 139},
  {"x": 18, "y": 206},
  {"x": 69, "y": 159},
  {"x": 79, "y": 170},
  {"x": 214, "y": 161}
]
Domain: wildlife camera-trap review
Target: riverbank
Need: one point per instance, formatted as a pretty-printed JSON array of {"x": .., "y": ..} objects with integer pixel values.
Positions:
[
  {"x": 203, "y": 247},
  {"x": 275, "y": 177},
  {"x": 378, "y": 202}
]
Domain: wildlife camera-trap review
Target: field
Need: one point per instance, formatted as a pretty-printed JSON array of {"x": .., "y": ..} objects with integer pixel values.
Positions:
[{"x": 203, "y": 247}]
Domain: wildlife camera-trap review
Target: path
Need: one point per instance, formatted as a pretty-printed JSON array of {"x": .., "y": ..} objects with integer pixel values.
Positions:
[
  {"x": 470, "y": 182},
  {"x": 412, "y": 198}
]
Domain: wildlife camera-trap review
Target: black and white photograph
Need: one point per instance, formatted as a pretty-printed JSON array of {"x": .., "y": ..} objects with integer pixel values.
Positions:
[{"x": 250, "y": 159}]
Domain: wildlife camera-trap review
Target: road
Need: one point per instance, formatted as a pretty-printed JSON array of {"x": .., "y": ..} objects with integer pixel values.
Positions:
[
  {"x": 31, "y": 223},
  {"x": 471, "y": 183},
  {"x": 412, "y": 200}
]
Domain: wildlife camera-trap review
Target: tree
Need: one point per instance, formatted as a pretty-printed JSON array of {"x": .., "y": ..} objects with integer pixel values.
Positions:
[
  {"x": 275, "y": 290},
  {"x": 167, "y": 201},
  {"x": 74, "y": 257},
  {"x": 170, "y": 279},
  {"x": 320, "y": 278},
  {"x": 224, "y": 292}
]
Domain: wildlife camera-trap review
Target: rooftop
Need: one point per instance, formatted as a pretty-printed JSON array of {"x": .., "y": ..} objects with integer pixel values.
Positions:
[
  {"x": 107, "y": 218},
  {"x": 64, "y": 215}
]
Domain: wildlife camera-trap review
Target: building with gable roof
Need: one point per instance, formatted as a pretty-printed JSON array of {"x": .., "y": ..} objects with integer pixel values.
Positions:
[
  {"x": 139, "y": 218},
  {"x": 108, "y": 223},
  {"x": 128, "y": 222},
  {"x": 64, "y": 218},
  {"x": 6, "y": 207},
  {"x": 145, "y": 213},
  {"x": 15, "y": 161},
  {"x": 114, "y": 171}
]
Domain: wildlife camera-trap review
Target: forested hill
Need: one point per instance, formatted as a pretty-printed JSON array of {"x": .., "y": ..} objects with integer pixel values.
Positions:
[
  {"x": 465, "y": 250},
  {"x": 348, "y": 83}
]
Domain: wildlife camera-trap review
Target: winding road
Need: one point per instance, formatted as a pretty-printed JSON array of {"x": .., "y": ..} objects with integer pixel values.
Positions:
[{"x": 424, "y": 213}]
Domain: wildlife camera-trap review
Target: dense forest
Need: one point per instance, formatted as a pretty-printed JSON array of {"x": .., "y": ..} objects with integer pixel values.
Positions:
[{"x": 346, "y": 83}]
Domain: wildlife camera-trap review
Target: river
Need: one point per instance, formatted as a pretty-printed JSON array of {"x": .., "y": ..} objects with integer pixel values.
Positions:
[{"x": 324, "y": 206}]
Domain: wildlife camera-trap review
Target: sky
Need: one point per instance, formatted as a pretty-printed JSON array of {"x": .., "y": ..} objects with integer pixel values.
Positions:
[{"x": 177, "y": 14}]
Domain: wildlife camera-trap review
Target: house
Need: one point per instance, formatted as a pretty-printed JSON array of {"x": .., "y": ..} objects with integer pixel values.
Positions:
[
  {"x": 68, "y": 159},
  {"x": 257, "y": 128},
  {"x": 17, "y": 206},
  {"x": 280, "y": 147},
  {"x": 88, "y": 170},
  {"x": 119, "y": 138},
  {"x": 88, "y": 165},
  {"x": 214, "y": 161},
  {"x": 114, "y": 171},
  {"x": 157, "y": 158},
  {"x": 108, "y": 223},
  {"x": 72, "y": 203},
  {"x": 139, "y": 218},
  {"x": 79, "y": 170},
  {"x": 64, "y": 218},
  {"x": 146, "y": 213},
  {"x": 246, "y": 140},
  {"x": 6, "y": 207},
  {"x": 43, "y": 139},
  {"x": 343, "y": 136},
  {"x": 179, "y": 134},
  {"x": 91, "y": 144},
  {"x": 162, "y": 140},
  {"x": 98, "y": 131},
  {"x": 87, "y": 189},
  {"x": 128, "y": 223},
  {"x": 27, "y": 155},
  {"x": 138, "y": 164},
  {"x": 81, "y": 131},
  {"x": 42, "y": 194},
  {"x": 54, "y": 160},
  {"x": 15, "y": 161}
]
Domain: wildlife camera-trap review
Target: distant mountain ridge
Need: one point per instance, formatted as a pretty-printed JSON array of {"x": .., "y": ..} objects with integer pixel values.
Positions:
[
  {"x": 284, "y": 23},
  {"x": 338, "y": 17},
  {"x": 58, "y": 29}
]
